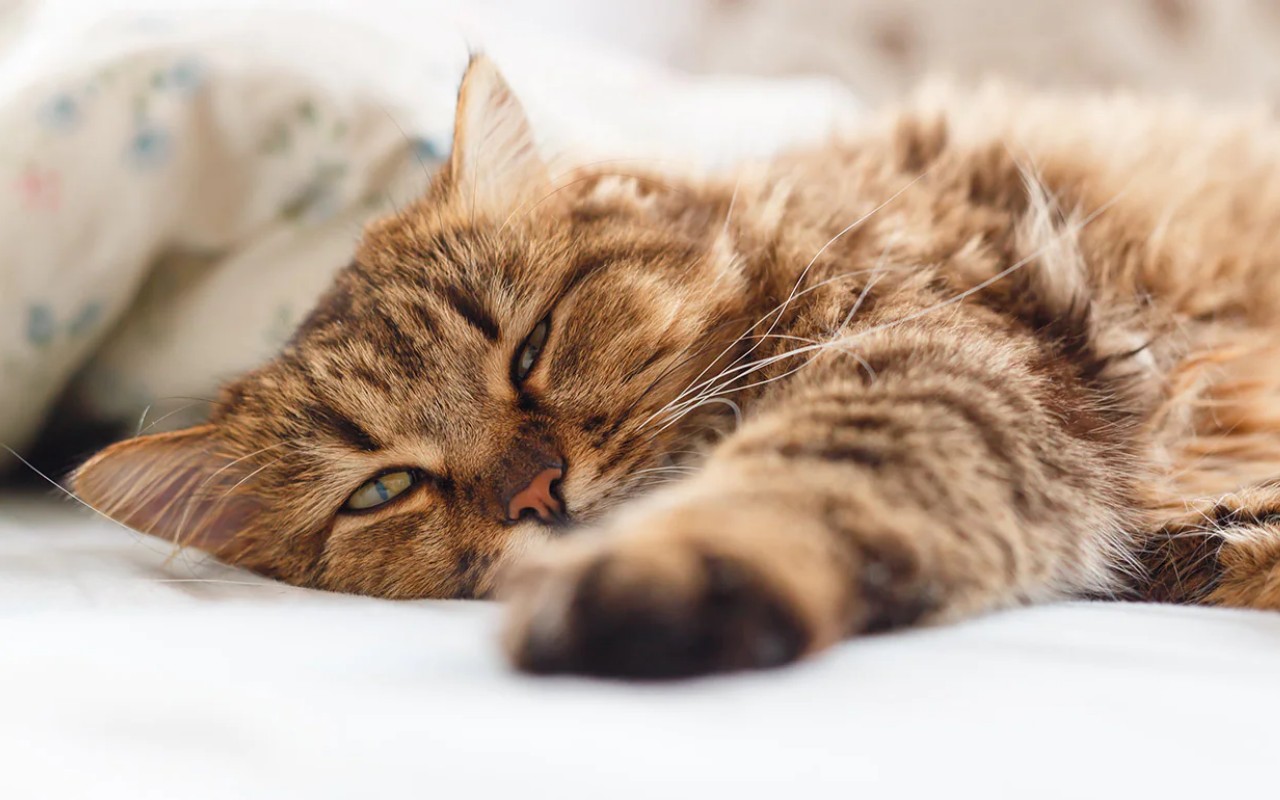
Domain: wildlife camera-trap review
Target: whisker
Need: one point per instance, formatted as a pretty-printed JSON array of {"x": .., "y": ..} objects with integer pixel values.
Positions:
[
  {"x": 851, "y": 226},
  {"x": 989, "y": 281},
  {"x": 957, "y": 298},
  {"x": 142, "y": 420},
  {"x": 796, "y": 292},
  {"x": 695, "y": 386},
  {"x": 719, "y": 398},
  {"x": 194, "y": 493},
  {"x": 141, "y": 430},
  {"x": 426, "y": 171},
  {"x": 72, "y": 495}
]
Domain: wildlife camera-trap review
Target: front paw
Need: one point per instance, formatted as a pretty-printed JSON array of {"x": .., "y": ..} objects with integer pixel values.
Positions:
[{"x": 650, "y": 606}]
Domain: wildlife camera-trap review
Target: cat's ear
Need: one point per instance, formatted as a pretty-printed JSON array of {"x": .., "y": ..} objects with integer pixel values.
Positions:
[
  {"x": 495, "y": 166},
  {"x": 180, "y": 486}
]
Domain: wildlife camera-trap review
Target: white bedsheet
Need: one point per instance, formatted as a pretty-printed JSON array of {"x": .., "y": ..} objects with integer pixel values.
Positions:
[{"x": 127, "y": 674}]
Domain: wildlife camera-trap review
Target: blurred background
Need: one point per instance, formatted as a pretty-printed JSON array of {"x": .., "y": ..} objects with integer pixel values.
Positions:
[
  {"x": 180, "y": 178},
  {"x": 1220, "y": 49}
]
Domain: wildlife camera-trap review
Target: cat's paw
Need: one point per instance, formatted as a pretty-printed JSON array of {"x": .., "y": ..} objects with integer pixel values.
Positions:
[
  {"x": 627, "y": 613},
  {"x": 663, "y": 603}
]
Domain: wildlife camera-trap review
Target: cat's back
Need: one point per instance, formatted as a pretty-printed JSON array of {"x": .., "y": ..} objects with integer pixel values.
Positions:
[{"x": 1170, "y": 198}]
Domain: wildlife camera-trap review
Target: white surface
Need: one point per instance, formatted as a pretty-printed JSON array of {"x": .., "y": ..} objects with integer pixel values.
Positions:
[{"x": 122, "y": 675}]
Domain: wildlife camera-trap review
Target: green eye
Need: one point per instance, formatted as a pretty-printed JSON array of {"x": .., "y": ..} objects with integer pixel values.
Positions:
[
  {"x": 530, "y": 349},
  {"x": 382, "y": 489}
]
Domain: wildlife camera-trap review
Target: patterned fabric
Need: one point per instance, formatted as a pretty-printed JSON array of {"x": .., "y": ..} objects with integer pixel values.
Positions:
[{"x": 167, "y": 211}]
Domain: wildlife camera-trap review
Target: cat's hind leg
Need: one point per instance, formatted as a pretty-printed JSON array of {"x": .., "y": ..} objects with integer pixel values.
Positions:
[{"x": 1222, "y": 552}]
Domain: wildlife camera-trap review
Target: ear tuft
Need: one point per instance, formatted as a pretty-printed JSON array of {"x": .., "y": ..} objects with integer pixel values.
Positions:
[
  {"x": 178, "y": 486},
  {"x": 495, "y": 165}
]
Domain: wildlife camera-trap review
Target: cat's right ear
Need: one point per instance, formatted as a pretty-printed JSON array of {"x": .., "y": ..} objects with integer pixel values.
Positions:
[
  {"x": 180, "y": 486},
  {"x": 494, "y": 166}
]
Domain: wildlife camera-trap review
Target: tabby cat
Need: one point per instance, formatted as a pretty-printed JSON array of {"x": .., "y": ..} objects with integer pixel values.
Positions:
[{"x": 994, "y": 350}]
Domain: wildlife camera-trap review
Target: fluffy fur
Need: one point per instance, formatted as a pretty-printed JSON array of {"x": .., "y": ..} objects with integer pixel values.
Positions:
[{"x": 994, "y": 350}]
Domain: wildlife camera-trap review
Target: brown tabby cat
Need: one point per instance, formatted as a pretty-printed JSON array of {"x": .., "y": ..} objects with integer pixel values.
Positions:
[{"x": 996, "y": 352}]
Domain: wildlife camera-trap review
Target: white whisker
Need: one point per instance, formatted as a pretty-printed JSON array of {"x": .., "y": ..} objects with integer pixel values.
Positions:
[
  {"x": 69, "y": 494},
  {"x": 794, "y": 294}
]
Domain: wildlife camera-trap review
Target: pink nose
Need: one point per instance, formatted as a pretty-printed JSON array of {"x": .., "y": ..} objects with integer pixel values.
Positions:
[{"x": 538, "y": 497}]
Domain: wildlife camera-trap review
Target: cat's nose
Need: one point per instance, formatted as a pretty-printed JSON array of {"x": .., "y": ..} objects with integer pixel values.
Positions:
[{"x": 538, "y": 496}]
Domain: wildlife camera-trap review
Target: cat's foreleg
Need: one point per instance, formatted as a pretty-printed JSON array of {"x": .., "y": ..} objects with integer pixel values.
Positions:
[{"x": 944, "y": 472}]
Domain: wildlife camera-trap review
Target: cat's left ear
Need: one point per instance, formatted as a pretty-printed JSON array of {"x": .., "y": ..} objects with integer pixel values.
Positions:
[
  {"x": 495, "y": 166},
  {"x": 180, "y": 486}
]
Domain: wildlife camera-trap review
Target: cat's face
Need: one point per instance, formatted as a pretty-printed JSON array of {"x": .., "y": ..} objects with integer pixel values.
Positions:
[{"x": 490, "y": 368}]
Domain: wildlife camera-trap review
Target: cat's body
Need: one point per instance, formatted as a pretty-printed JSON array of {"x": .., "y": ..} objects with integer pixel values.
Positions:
[{"x": 992, "y": 352}]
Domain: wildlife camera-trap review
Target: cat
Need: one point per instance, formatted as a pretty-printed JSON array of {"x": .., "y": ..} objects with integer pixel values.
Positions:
[{"x": 993, "y": 349}]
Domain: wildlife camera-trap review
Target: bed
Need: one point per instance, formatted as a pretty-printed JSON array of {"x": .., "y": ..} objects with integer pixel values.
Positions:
[{"x": 126, "y": 671}]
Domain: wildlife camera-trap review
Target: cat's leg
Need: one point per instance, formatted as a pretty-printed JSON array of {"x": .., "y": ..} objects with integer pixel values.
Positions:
[
  {"x": 944, "y": 472},
  {"x": 1221, "y": 552}
]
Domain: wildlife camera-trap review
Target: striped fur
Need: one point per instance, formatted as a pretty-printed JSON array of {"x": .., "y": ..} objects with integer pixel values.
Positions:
[{"x": 996, "y": 350}]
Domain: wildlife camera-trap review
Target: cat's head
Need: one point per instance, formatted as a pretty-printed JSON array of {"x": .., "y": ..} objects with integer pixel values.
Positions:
[{"x": 492, "y": 365}]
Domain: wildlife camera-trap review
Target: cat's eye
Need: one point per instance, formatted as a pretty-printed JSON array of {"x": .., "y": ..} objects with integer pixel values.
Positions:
[
  {"x": 382, "y": 489},
  {"x": 530, "y": 349}
]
